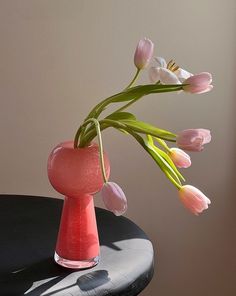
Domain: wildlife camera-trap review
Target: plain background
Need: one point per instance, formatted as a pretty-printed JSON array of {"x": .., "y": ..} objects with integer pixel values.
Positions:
[{"x": 60, "y": 57}]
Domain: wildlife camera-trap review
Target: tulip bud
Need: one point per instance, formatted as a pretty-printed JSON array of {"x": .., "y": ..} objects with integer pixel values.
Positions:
[
  {"x": 114, "y": 198},
  {"x": 193, "y": 139},
  {"x": 180, "y": 158},
  {"x": 193, "y": 199},
  {"x": 199, "y": 83},
  {"x": 143, "y": 53}
]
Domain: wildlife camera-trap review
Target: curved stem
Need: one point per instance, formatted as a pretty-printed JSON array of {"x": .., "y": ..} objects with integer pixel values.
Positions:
[
  {"x": 100, "y": 145},
  {"x": 134, "y": 79},
  {"x": 127, "y": 105},
  {"x": 104, "y": 123},
  {"x": 77, "y": 135},
  {"x": 97, "y": 126},
  {"x": 99, "y": 107},
  {"x": 90, "y": 134}
]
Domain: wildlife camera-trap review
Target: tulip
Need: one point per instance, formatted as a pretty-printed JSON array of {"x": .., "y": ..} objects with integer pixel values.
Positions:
[
  {"x": 167, "y": 73},
  {"x": 199, "y": 83},
  {"x": 193, "y": 199},
  {"x": 143, "y": 53},
  {"x": 180, "y": 158},
  {"x": 114, "y": 198},
  {"x": 193, "y": 139}
]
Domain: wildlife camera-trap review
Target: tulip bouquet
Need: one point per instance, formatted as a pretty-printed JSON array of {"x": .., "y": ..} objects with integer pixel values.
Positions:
[{"x": 164, "y": 77}]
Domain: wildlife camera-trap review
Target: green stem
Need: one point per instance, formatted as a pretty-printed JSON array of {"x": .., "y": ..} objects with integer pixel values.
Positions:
[
  {"x": 127, "y": 105},
  {"x": 140, "y": 140},
  {"x": 134, "y": 100},
  {"x": 107, "y": 101},
  {"x": 77, "y": 135},
  {"x": 134, "y": 79},
  {"x": 95, "y": 112},
  {"x": 97, "y": 127},
  {"x": 177, "y": 185},
  {"x": 136, "y": 92},
  {"x": 105, "y": 123},
  {"x": 88, "y": 137},
  {"x": 162, "y": 143}
]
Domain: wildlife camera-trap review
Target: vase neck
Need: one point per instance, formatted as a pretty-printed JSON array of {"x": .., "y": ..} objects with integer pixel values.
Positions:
[
  {"x": 78, "y": 203},
  {"x": 78, "y": 237},
  {"x": 82, "y": 196}
]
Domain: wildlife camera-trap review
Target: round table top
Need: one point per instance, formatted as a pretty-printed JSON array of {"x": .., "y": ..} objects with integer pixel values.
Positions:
[{"x": 28, "y": 230}]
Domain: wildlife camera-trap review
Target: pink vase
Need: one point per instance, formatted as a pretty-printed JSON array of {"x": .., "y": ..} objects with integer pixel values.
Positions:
[{"x": 76, "y": 173}]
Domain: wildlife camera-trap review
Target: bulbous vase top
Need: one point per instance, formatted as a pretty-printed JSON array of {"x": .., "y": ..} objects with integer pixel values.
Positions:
[{"x": 76, "y": 171}]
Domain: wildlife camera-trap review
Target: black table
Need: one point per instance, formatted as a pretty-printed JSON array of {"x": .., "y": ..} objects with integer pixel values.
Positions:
[{"x": 28, "y": 231}]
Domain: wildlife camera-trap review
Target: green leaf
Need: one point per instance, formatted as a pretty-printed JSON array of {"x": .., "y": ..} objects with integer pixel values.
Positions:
[
  {"x": 162, "y": 162},
  {"x": 141, "y": 90},
  {"x": 157, "y": 157},
  {"x": 133, "y": 93},
  {"x": 170, "y": 162},
  {"x": 146, "y": 128},
  {"x": 121, "y": 116},
  {"x": 126, "y": 96},
  {"x": 164, "y": 155}
]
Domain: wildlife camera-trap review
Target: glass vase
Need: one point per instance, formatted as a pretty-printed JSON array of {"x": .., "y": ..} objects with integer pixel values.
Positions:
[{"x": 76, "y": 173}]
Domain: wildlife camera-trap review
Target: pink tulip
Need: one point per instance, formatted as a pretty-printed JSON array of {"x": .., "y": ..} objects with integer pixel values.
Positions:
[
  {"x": 199, "y": 83},
  {"x": 193, "y": 199},
  {"x": 193, "y": 139},
  {"x": 180, "y": 158},
  {"x": 143, "y": 53},
  {"x": 114, "y": 198}
]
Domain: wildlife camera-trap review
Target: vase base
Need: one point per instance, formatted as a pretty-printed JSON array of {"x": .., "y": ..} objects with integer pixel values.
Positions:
[{"x": 76, "y": 264}]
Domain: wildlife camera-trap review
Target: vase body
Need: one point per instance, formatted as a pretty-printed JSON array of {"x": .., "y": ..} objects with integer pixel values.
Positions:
[{"x": 76, "y": 173}]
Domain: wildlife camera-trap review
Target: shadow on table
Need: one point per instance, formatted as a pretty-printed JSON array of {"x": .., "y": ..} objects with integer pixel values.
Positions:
[
  {"x": 37, "y": 279},
  {"x": 115, "y": 229}
]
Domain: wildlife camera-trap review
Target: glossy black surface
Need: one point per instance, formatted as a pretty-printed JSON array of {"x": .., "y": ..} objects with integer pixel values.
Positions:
[{"x": 28, "y": 231}]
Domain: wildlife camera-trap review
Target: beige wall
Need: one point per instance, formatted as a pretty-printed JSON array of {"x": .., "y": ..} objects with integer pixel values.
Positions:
[{"x": 59, "y": 58}]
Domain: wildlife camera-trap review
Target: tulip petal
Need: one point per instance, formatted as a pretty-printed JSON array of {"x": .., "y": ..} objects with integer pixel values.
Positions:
[
  {"x": 202, "y": 91},
  {"x": 182, "y": 74},
  {"x": 193, "y": 199},
  {"x": 161, "y": 62},
  {"x": 193, "y": 139},
  {"x": 180, "y": 158},
  {"x": 143, "y": 53},
  {"x": 114, "y": 198},
  {"x": 206, "y": 135},
  {"x": 199, "y": 83},
  {"x": 154, "y": 74},
  {"x": 168, "y": 77},
  {"x": 203, "y": 78}
]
